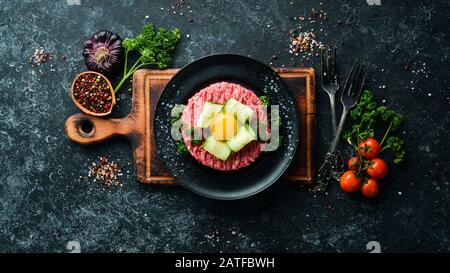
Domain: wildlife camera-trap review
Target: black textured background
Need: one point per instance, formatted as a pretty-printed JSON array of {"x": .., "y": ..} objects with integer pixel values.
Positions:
[{"x": 43, "y": 205}]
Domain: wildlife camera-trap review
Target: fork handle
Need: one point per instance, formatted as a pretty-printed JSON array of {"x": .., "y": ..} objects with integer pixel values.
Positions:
[
  {"x": 338, "y": 131},
  {"x": 333, "y": 113}
]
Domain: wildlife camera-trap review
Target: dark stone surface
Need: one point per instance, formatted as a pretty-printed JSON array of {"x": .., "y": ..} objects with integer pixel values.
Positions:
[{"x": 43, "y": 205}]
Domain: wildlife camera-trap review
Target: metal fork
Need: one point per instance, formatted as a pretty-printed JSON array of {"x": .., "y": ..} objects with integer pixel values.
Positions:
[
  {"x": 330, "y": 79},
  {"x": 330, "y": 83},
  {"x": 349, "y": 98}
]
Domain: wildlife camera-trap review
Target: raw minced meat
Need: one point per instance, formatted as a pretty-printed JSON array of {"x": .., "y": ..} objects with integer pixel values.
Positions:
[{"x": 220, "y": 93}]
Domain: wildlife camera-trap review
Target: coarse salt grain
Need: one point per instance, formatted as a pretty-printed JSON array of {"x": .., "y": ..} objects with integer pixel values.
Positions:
[{"x": 39, "y": 57}]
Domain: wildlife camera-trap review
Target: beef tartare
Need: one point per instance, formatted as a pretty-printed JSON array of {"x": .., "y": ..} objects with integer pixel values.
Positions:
[{"x": 223, "y": 128}]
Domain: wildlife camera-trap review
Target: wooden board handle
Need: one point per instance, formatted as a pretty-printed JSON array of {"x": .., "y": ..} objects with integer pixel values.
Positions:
[{"x": 85, "y": 129}]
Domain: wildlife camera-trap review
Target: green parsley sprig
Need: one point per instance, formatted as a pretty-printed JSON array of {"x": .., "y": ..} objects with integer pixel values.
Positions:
[
  {"x": 265, "y": 100},
  {"x": 366, "y": 115},
  {"x": 154, "y": 47}
]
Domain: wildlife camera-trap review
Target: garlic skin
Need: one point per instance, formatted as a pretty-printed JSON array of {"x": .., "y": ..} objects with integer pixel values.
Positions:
[{"x": 103, "y": 52}]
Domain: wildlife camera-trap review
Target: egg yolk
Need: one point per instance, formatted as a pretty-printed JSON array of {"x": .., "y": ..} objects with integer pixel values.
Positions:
[{"x": 224, "y": 127}]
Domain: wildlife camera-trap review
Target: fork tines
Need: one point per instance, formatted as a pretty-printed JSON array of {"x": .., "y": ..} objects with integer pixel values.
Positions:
[
  {"x": 355, "y": 81},
  {"x": 328, "y": 65}
]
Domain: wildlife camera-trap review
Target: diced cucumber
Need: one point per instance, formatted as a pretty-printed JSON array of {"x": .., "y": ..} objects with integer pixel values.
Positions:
[
  {"x": 244, "y": 136},
  {"x": 242, "y": 111},
  {"x": 208, "y": 112},
  {"x": 251, "y": 132},
  {"x": 177, "y": 110},
  {"x": 230, "y": 106},
  {"x": 217, "y": 148}
]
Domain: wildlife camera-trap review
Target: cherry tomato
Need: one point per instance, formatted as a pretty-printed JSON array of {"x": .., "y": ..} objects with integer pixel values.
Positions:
[
  {"x": 369, "y": 148},
  {"x": 353, "y": 163},
  {"x": 370, "y": 189},
  {"x": 377, "y": 168},
  {"x": 349, "y": 182}
]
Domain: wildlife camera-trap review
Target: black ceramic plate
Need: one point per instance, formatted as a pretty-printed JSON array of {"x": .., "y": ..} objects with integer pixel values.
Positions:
[{"x": 253, "y": 75}]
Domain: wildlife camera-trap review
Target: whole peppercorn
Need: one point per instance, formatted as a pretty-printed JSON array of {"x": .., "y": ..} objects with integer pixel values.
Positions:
[{"x": 93, "y": 92}]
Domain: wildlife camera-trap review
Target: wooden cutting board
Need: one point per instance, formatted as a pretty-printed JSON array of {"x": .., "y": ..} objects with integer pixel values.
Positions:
[{"x": 137, "y": 126}]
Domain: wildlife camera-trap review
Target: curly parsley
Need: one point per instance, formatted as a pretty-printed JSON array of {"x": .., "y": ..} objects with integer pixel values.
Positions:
[
  {"x": 155, "y": 47},
  {"x": 366, "y": 115},
  {"x": 265, "y": 100}
]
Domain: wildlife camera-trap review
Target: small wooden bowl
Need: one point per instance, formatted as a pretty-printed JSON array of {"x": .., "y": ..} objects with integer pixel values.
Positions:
[{"x": 81, "y": 107}]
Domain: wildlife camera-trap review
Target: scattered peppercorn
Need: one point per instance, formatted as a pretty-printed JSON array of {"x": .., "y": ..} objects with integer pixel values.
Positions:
[
  {"x": 93, "y": 92},
  {"x": 305, "y": 37},
  {"x": 106, "y": 173},
  {"x": 304, "y": 41}
]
